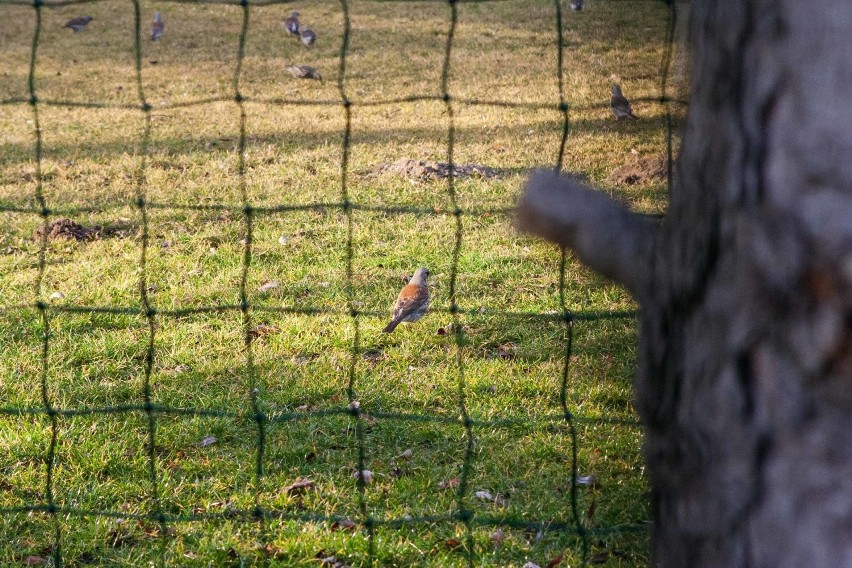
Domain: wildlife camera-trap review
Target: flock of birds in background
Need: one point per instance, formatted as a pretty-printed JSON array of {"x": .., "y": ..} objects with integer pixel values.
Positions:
[
  {"x": 618, "y": 103},
  {"x": 413, "y": 300}
]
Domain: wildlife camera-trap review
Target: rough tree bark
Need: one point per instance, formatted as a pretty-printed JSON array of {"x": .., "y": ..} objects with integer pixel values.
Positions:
[{"x": 744, "y": 383}]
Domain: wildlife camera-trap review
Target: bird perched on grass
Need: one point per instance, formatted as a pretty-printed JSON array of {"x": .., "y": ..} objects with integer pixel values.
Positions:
[
  {"x": 158, "y": 27},
  {"x": 619, "y": 105},
  {"x": 308, "y": 36},
  {"x": 412, "y": 302},
  {"x": 576, "y": 5},
  {"x": 78, "y": 24},
  {"x": 291, "y": 24},
  {"x": 303, "y": 72}
]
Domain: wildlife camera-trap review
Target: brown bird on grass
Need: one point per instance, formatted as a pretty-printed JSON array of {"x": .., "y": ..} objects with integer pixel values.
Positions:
[
  {"x": 78, "y": 24},
  {"x": 412, "y": 302},
  {"x": 619, "y": 105},
  {"x": 303, "y": 72}
]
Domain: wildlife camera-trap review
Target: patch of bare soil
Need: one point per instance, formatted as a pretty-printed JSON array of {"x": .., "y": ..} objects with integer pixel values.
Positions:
[
  {"x": 65, "y": 228},
  {"x": 429, "y": 169},
  {"x": 652, "y": 168}
]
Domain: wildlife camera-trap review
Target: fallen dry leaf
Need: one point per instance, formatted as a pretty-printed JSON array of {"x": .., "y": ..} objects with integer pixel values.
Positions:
[
  {"x": 269, "y": 285},
  {"x": 452, "y": 543},
  {"x": 450, "y": 483},
  {"x": 300, "y": 486},
  {"x": 263, "y": 329},
  {"x": 365, "y": 474},
  {"x": 498, "y": 536},
  {"x": 555, "y": 561},
  {"x": 484, "y": 495},
  {"x": 207, "y": 441},
  {"x": 599, "y": 558},
  {"x": 34, "y": 560},
  {"x": 344, "y": 525}
]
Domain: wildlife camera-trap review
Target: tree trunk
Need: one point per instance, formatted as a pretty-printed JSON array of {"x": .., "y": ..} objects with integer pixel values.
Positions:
[{"x": 745, "y": 369}]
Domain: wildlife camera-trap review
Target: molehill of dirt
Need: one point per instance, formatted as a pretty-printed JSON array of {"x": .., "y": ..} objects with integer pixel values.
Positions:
[
  {"x": 643, "y": 170},
  {"x": 429, "y": 169},
  {"x": 64, "y": 228}
]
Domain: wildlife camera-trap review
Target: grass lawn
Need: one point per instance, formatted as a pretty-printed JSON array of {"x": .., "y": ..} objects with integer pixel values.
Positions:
[{"x": 296, "y": 356}]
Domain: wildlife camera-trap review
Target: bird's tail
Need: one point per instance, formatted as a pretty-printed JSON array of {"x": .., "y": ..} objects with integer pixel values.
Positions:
[
  {"x": 632, "y": 116},
  {"x": 391, "y": 326}
]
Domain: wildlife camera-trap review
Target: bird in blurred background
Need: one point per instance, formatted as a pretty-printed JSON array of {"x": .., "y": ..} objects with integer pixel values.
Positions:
[
  {"x": 291, "y": 24},
  {"x": 308, "y": 36},
  {"x": 78, "y": 24},
  {"x": 303, "y": 72},
  {"x": 576, "y": 5},
  {"x": 619, "y": 105},
  {"x": 158, "y": 27},
  {"x": 412, "y": 302}
]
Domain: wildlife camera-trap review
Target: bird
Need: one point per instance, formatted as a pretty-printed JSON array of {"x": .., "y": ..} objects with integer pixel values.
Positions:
[
  {"x": 308, "y": 37},
  {"x": 619, "y": 105},
  {"x": 158, "y": 27},
  {"x": 576, "y": 5},
  {"x": 78, "y": 24},
  {"x": 291, "y": 24},
  {"x": 303, "y": 72},
  {"x": 412, "y": 302}
]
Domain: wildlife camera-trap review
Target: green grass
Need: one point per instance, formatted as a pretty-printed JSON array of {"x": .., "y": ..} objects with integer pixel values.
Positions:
[{"x": 304, "y": 362}]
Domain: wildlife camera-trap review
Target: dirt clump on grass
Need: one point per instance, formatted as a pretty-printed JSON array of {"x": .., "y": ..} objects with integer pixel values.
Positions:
[
  {"x": 652, "y": 168},
  {"x": 430, "y": 169},
  {"x": 65, "y": 228}
]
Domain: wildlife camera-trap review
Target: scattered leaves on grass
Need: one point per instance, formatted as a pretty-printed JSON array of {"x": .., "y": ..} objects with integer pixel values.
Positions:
[
  {"x": 303, "y": 358},
  {"x": 300, "y": 486},
  {"x": 555, "y": 561},
  {"x": 373, "y": 355},
  {"x": 270, "y": 550},
  {"x": 207, "y": 441},
  {"x": 449, "y": 483},
  {"x": 364, "y": 474},
  {"x": 589, "y": 480},
  {"x": 504, "y": 351},
  {"x": 452, "y": 543},
  {"x": 332, "y": 562},
  {"x": 499, "y": 500},
  {"x": 590, "y": 512},
  {"x": 263, "y": 329},
  {"x": 268, "y": 285},
  {"x": 446, "y": 330},
  {"x": 344, "y": 525}
]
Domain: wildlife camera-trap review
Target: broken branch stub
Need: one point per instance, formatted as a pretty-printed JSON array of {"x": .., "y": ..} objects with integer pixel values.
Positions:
[{"x": 602, "y": 233}]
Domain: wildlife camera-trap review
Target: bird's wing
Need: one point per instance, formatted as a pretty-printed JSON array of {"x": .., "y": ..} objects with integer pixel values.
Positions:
[{"x": 410, "y": 298}]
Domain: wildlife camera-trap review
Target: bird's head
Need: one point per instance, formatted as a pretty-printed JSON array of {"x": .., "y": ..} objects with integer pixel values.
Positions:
[
  {"x": 420, "y": 276},
  {"x": 294, "y": 14},
  {"x": 616, "y": 90}
]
